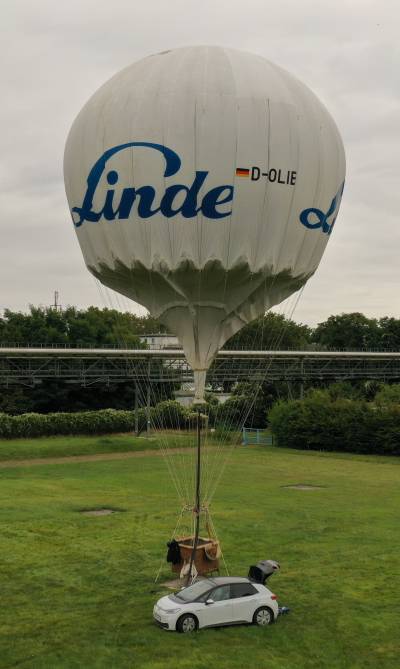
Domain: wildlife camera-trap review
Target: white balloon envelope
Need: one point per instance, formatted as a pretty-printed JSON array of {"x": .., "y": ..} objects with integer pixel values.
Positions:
[{"x": 204, "y": 183}]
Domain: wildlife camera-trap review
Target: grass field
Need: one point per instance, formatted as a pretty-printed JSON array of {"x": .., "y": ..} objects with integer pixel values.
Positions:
[
  {"x": 77, "y": 591},
  {"x": 50, "y": 447}
]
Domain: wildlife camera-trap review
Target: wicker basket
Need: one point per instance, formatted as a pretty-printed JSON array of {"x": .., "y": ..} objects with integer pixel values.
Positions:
[{"x": 206, "y": 559}]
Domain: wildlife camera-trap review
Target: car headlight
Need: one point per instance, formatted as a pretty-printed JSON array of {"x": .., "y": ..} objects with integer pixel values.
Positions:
[{"x": 172, "y": 610}]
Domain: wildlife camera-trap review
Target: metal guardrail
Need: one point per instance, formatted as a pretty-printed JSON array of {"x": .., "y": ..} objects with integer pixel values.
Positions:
[{"x": 252, "y": 436}]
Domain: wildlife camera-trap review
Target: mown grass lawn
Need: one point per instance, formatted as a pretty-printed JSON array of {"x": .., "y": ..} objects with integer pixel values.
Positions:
[{"x": 77, "y": 591}]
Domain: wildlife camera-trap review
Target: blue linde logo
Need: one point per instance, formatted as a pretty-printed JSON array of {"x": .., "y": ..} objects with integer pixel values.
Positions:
[
  {"x": 144, "y": 196},
  {"x": 322, "y": 218}
]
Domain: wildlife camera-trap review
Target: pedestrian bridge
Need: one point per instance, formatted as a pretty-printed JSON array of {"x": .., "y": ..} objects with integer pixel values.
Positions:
[{"x": 87, "y": 366}]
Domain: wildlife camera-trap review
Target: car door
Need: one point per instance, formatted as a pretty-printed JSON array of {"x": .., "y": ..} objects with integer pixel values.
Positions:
[
  {"x": 219, "y": 612},
  {"x": 244, "y": 600}
]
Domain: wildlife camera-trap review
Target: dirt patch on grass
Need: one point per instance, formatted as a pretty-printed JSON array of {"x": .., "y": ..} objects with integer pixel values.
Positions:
[{"x": 99, "y": 512}]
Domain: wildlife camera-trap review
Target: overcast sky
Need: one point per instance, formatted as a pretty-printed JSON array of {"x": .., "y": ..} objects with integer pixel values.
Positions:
[{"x": 55, "y": 55}]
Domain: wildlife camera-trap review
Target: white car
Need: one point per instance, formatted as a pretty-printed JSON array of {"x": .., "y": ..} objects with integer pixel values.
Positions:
[{"x": 212, "y": 602}]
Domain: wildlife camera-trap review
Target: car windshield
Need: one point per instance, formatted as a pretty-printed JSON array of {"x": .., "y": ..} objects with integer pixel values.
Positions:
[{"x": 194, "y": 591}]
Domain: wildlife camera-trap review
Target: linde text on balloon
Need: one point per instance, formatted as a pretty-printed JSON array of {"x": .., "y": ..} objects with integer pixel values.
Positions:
[
  {"x": 308, "y": 216},
  {"x": 211, "y": 205}
]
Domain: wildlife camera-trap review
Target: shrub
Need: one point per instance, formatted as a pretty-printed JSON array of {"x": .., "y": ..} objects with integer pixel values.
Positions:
[
  {"x": 249, "y": 409},
  {"x": 232, "y": 412},
  {"x": 318, "y": 423},
  {"x": 6, "y": 426},
  {"x": 388, "y": 395},
  {"x": 169, "y": 414}
]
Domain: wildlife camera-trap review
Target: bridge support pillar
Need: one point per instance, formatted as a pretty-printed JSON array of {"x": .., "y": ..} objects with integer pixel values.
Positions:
[{"x": 136, "y": 410}]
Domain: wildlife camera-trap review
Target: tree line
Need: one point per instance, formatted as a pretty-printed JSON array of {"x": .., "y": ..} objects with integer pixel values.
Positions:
[
  {"x": 348, "y": 332},
  {"x": 93, "y": 327}
]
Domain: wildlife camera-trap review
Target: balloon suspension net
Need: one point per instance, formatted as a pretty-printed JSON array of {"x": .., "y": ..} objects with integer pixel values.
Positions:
[{"x": 197, "y": 443}]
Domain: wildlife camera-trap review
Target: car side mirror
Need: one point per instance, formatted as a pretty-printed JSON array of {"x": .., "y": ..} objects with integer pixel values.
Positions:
[{"x": 209, "y": 601}]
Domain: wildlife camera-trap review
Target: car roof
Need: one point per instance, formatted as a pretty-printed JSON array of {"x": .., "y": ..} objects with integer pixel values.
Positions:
[{"x": 226, "y": 580}]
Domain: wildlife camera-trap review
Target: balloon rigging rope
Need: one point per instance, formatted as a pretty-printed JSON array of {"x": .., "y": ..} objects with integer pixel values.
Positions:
[
  {"x": 179, "y": 475},
  {"x": 229, "y": 416},
  {"x": 230, "y": 421},
  {"x": 160, "y": 427},
  {"x": 245, "y": 414},
  {"x": 214, "y": 462},
  {"x": 162, "y": 440},
  {"x": 174, "y": 534}
]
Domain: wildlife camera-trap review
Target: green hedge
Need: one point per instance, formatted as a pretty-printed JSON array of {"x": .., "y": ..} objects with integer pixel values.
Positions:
[
  {"x": 85, "y": 422},
  {"x": 319, "y": 423},
  {"x": 168, "y": 414}
]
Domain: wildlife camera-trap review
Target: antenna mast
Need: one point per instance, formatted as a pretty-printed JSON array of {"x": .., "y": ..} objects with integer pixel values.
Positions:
[{"x": 56, "y": 306}]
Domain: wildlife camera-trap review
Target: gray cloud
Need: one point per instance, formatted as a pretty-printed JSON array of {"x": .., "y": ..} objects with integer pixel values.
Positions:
[{"x": 56, "y": 54}]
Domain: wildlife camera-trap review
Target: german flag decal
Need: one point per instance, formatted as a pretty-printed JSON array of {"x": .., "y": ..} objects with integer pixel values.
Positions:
[{"x": 242, "y": 172}]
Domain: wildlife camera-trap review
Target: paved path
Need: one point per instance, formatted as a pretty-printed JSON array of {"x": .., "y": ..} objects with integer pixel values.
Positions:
[{"x": 5, "y": 464}]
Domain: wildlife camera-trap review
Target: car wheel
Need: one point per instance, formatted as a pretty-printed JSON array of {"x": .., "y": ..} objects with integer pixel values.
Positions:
[
  {"x": 263, "y": 616},
  {"x": 186, "y": 623}
]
